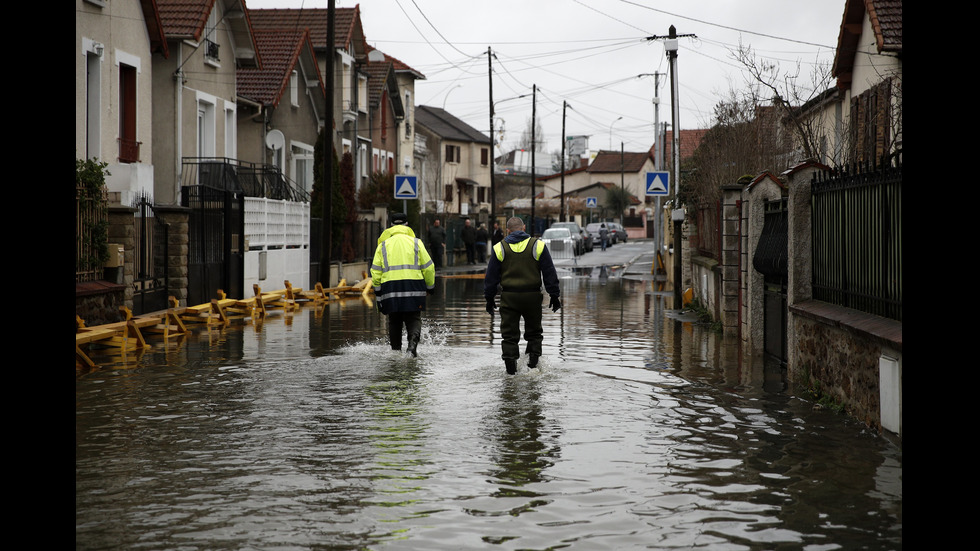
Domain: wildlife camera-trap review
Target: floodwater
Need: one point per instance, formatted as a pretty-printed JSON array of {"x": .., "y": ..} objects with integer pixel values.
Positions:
[{"x": 306, "y": 431}]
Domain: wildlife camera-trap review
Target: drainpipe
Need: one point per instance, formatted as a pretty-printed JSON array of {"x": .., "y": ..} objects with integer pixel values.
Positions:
[{"x": 178, "y": 107}]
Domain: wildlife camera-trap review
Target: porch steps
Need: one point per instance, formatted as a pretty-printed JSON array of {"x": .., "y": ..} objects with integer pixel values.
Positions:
[{"x": 128, "y": 336}]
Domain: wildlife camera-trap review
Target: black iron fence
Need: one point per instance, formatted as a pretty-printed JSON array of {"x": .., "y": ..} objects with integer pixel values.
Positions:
[
  {"x": 151, "y": 259},
  {"x": 857, "y": 238},
  {"x": 216, "y": 230}
]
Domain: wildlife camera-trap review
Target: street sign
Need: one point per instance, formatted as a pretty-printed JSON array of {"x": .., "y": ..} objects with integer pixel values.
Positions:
[
  {"x": 591, "y": 202},
  {"x": 658, "y": 183},
  {"x": 406, "y": 187}
]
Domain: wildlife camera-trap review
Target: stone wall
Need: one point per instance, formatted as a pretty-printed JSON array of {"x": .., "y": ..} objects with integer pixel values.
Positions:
[{"x": 840, "y": 364}]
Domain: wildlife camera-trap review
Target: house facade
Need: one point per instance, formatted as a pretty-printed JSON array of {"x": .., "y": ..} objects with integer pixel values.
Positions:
[
  {"x": 281, "y": 106},
  {"x": 195, "y": 107},
  {"x": 456, "y": 169},
  {"x": 115, "y": 45}
]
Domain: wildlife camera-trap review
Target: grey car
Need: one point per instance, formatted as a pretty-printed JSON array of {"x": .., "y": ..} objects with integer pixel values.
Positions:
[
  {"x": 583, "y": 241},
  {"x": 594, "y": 228}
]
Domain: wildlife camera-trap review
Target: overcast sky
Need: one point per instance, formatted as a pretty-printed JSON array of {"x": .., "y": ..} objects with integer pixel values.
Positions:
[{"x": 590, "y": 54}]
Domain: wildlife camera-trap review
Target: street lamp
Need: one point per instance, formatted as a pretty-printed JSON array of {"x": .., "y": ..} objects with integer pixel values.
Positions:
[
  {"x": 610, "y": 132},
  {"x": 447, "y": 95}
]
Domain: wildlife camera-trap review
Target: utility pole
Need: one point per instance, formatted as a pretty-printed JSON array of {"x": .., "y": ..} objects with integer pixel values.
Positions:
[
  {"x": 493, "y": 161},
  {"x": 327, "y": 180},
  {"x": 534, "y": 105},
  {"x": 677, "y": 214},
  {"x": 564, "y": 106}
]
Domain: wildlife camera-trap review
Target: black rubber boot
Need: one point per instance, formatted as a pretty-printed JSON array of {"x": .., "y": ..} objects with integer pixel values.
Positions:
[
  {"x": 412, "y": 346},
  {"x": 532, "y": 361},
  {"x": 511, "y": 366}
]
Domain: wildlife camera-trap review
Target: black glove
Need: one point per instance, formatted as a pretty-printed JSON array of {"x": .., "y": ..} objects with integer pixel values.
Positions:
[
  {"x": 490, "y": 306},
  {"x": 430, "y": 291},
  {"x": 555, "y": 304}
]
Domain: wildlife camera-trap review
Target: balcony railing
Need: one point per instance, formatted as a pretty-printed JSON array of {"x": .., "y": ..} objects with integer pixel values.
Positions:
[
  {"x": 255, "y": 180},
  {"x": 129, "y": 151},
  {"x": 211, "y": 50}
]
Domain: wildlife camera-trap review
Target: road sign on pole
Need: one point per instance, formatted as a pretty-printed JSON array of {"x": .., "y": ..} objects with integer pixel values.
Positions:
[
  {"x": 591, "y": 202},
  {"x": 406, "y": 187},
  {"x": 658, "y": 183}
]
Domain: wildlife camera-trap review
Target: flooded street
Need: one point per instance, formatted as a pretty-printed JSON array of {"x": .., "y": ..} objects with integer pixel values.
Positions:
[{"x": 306, "y": 431}]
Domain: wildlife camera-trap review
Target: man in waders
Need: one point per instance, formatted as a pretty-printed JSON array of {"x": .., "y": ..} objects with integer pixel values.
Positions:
[
  {"x": 402, "y": 274},
  {"x": 518, "y": 264}
]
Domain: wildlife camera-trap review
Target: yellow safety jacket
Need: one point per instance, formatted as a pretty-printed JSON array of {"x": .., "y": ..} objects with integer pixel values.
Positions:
[{"x": 401, "y": 271}]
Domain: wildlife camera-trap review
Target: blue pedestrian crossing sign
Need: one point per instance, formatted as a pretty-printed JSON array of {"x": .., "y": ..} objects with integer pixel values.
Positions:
[
  {"x": 406, "y": 187},
  {"x": 658, "y": 183},
  {"x": 591, "y": 202}
]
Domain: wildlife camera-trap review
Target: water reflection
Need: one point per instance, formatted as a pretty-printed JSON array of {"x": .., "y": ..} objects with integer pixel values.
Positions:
[{"x": 637, "y": 431}]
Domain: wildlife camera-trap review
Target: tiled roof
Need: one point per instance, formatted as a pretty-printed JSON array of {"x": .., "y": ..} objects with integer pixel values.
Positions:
[
  {"x": 313, "y": 19},
  {"x": 397, "y": 64},
  {"x": 616, "y": 161},
  {"x": 377, "y": 72},
  {"x": 279, "y": 50},
  {"x": 886, "y": 19},
  {"x": 690, "y": 140},
  {"x": 446, "y": 126},
  {"x": 184, "y": 18}
]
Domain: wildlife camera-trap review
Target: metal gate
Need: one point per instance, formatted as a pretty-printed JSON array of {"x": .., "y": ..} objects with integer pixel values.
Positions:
[
  {"x": 151, "y": 256},
  {"x": 771, "y": 259},
  {"x": 216, "y": 228}
]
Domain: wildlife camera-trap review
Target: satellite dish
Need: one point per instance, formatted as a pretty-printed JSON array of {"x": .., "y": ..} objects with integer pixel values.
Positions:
[{"x": 274, "y": 140}]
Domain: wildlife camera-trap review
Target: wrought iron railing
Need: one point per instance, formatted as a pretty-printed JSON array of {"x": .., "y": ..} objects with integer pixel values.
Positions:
[
  {"x": 857, "y": 239},
  {"x": 254, "y": 179},
  {"x": 91, "y": 224}
]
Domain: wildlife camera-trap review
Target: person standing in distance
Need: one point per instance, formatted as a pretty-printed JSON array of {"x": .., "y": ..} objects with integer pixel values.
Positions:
[
  {"x": 468, "y": 234},
  {"x": 403, "y": 274},
  {"x": 437, "y": 242},
  {"x": 518, "y": 264},
  {"x": 497, "y": 235}
]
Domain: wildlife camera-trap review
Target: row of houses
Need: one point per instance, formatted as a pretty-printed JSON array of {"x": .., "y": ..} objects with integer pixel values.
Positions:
[
  {"x": 172, "y": 95},
  {"x": 160, "y": 81}
]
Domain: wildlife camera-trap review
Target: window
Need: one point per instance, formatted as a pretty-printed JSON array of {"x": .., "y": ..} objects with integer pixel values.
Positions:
[
  {"x": 205, "y": 128},
  {"x": 210, "y": 34},
  {"x": 484, "y": 156},
  {"x": 449, "y": 193},
  {"x": 129, "y": 151},
  {"x": 452, "y": 154},
  {"x": 871, "y": 123},
  {"x": 481, "y": 195},
  {"x": 294, "y": 89},
  {"x": 303, "y": 166},
  {"x": 93, "y": 100},
  {"x": 231, "y": 140}
]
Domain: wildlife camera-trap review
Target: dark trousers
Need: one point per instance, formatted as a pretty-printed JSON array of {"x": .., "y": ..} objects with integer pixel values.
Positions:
[
  {"x": 413, "y": 326},
  {"x": 481, "y": 252},
  {"x": 437, "y": 250},
  {"x": 513, "y": 307},
  {"x": 471, "y": 253}
]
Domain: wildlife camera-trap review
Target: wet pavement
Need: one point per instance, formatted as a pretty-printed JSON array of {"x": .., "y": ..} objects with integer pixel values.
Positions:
[{"x": 305, "y": 431}]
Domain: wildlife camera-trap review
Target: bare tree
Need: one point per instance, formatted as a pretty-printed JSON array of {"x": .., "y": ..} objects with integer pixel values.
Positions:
[{"x": 771, "y": 84}]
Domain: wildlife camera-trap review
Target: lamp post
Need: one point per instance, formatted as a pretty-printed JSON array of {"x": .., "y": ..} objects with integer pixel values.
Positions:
[
  {"x": 444, "y": 98},
  {"x": 610, "y": 131}
]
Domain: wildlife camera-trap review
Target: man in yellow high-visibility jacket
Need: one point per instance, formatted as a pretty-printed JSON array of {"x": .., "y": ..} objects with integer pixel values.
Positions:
[
  {"x": 518, "y": 264},
  {"x": 402, "y": 274}
]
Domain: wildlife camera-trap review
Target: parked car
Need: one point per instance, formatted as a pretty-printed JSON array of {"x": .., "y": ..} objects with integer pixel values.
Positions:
[
  {"x": 594, "y": 228},
  {"x": 617, "y": 233},
  {"x": 559, "y": 241},
  {"x": 582, "y": 243}
]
